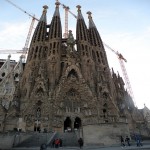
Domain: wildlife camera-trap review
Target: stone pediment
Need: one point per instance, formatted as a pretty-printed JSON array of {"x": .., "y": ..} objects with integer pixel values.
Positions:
[
  {"x": 75, "y": 68},
  {"x": 73, "y": 95},
  {"x": 39, "y": 90}
]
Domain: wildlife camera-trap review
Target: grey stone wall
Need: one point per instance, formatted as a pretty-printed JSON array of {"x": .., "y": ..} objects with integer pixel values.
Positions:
[
  {"x": 104, "y": 134},
  {"x": 6, "y": 141}
]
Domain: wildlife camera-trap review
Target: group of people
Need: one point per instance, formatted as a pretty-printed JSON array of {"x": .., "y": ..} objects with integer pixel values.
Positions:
[
  {"x": 57, "y": 143},
  {"x": 126, "y": 141}
]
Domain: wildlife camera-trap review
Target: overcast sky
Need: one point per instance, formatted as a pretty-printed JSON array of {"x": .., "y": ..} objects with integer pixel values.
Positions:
[{"x": 123, "y": 24}]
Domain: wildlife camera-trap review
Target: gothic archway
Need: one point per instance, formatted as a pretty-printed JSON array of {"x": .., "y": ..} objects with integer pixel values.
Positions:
[
  {"x": 77, "y": 123},
  {"x": 67, "y": 124},
  {"x": 37, "y": 126}
]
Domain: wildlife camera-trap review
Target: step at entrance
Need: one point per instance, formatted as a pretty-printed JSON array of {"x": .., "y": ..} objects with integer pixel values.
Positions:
[
  {"x": 69, "y": 139},
  {"x": 35, "y": 140}
]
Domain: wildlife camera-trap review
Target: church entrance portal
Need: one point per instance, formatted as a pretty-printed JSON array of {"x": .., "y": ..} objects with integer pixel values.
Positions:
[
  {"x": 77, "y": 123},
  {"x": 69, "y": 127},
  {"x": 37, "y": 126}
]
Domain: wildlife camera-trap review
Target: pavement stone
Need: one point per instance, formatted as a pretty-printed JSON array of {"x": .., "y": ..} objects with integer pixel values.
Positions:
[{"x": 144, "y": 147}]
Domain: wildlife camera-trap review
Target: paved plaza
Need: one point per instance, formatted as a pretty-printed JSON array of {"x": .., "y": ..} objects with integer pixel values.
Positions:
[{"x": 133, "y": 147}]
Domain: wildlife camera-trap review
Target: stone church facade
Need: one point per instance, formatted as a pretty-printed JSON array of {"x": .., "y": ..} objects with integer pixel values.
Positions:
[{"x": 67, "y": 85}]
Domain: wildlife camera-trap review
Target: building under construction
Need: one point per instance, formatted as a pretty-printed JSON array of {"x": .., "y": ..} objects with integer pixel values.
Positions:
[{"x": 66, "y": 86}]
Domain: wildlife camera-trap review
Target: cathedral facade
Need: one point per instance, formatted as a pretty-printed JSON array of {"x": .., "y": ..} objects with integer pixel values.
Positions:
[{"x": 67, "y": 85}]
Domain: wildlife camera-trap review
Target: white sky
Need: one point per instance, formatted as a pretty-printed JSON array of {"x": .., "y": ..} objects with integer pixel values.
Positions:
[{"x": 123, "y": 24}]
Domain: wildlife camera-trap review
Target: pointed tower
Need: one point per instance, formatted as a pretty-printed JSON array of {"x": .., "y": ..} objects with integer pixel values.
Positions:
[
  {"x": 98, "y": 52},
  {"x": 36, "y": 56},
  {"x": 7, "y": 93},
  {"x": 18, "y": 70},
  {"x": 65, "y": 89},
  {"x": 103, "y": 74},
  {"x": 54, "y": 48},
  {"x": 32, "y": 93},
  {"x": 7, "y": 85},
  {"x": 5, "y": 69},
  {"x": 37, "y": 49},
  {"x": 84, "y": 50},
  {"x": 104, "y": 83}
]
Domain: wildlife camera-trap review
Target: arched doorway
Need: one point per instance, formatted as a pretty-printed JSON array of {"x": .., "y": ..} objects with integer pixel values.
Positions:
[
  {"x": 67, "y": 125},
  {"x": 37, "y": 126},
  {"x": 77, "y": 123}
]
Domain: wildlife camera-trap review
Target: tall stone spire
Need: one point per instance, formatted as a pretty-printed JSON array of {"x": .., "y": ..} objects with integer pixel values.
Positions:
[
  {"x": 83, "y": 45},
  {"x": 84, "y": 49},
  {"x": 65, "y": 87},
  {"x": 55, "y": 30},
  {"x": 36, "y": 57},
  {"x": 99, "y": 55},
  {"x": 81, "y": 33},
  {"x": 95, "y": 38},
  {"x": 54, "y": 47},
  {"x": 40, "y": 31},
  {"x": 36, "y": 51},
  {"x": 98, "y": 52}
]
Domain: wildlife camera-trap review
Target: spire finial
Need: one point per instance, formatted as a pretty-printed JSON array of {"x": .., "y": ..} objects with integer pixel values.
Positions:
[
  {"x": 9, "y": 56},
  {"x": 22, "y": 56},
  {"x": 45, "y": 8},
  {"x": 91, "y": 23},
  {"x": 57, "y": 3},
  {"x": 89, "y": 14},
  {"x": 78, "y": 7},
  {"x": 70, "y": 31}
]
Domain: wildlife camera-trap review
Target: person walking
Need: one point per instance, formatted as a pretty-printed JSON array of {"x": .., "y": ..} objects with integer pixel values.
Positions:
[
  {"x": 60, "y": 140},
  {"x": 122, "y": 141},
  {"x": 127, "y": 140},
  {"x": 80, "y": 141},
  {"x": 53, "y": 143},
  {"x": 43, "y": 146},
  {"x": 138, "y": 140},
  {"x": 57, "y": 143}
]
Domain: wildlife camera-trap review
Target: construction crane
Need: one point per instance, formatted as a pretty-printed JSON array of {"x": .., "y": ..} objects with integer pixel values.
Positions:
[
  {"x": 24, "y": 51},
  {"x": 10, "y": 51},
  {"x": 67, "y": 9},
  {"x": 25, "y": 48},
  {"x": 120, "y": 56},
  {"x": 124, "y": 71}
]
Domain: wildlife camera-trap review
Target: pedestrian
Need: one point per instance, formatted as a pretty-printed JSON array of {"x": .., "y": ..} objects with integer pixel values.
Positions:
[
  {"x": 43, "y": 146},
  {"x": 80, "y": 141},
  {"x": 60, "y": 140},
  {"x": 57, "y": 143},
  {"x": 122, "y": 141},
  {"x": 127, "y": 140},
  {"x": 138, "y": 140},
  {"x": 53, "y": 143}
]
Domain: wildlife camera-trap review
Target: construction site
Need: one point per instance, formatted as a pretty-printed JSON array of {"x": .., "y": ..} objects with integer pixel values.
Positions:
[{"x": 63, "y": 87}]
